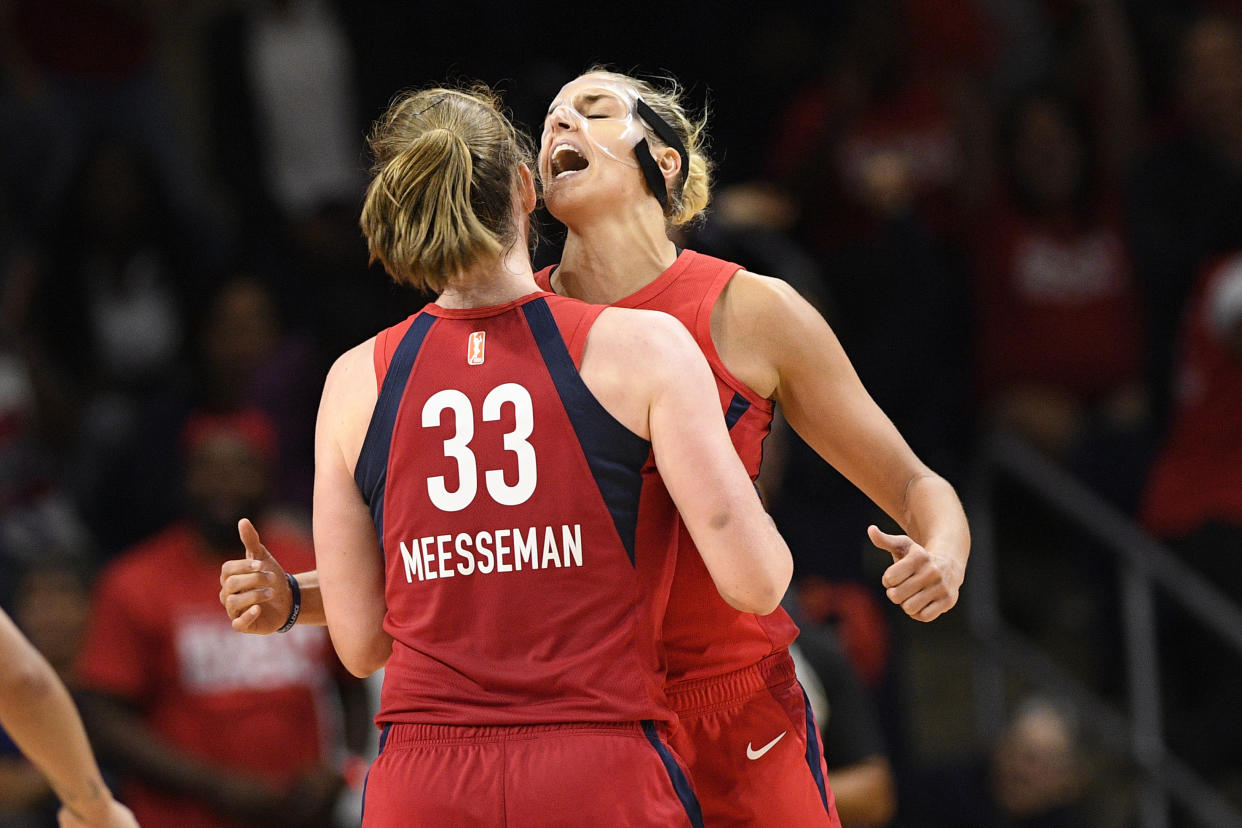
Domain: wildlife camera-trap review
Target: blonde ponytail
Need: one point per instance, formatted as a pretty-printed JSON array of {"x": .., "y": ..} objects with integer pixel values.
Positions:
[{"x": 435, "y": 208}]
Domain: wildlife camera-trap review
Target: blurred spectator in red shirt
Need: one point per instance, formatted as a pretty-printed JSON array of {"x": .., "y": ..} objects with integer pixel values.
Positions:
[
  {"x": 1184, "y": 203},
  {"x": 1059, "y": 334},
  {"x": 1193, "y": 502},
  {"x": 209, "y": 727},
  {"x": 895, "y": 114}
]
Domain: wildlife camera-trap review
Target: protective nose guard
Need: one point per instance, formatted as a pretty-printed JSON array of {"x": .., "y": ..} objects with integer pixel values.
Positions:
[{"x": 632, "y": 132}]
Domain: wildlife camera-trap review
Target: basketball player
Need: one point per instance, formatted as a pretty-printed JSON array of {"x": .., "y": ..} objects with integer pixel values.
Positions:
[
  {"x": 488, "y": 520},
  {"x": 37, "y": 712},
  {"x": 621, "y": 163}
]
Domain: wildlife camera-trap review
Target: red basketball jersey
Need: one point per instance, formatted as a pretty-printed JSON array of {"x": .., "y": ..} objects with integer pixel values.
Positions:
[
  {"x": 522, "y": 585},
  {"x": 704, "y": 636}
]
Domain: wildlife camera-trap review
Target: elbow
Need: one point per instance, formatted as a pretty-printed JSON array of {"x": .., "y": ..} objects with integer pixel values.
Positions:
[
  {"x": 763, "y": 594},
  {"x": 30, "y": 682},
  {"x": 756, "y": 604},
  {"x": 362, "y": 665},
  {"x": 362, "y": 670},
  {"x": 365, "y": 660}
]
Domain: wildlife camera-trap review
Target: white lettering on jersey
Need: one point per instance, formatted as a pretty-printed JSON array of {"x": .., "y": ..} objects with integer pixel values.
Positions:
[
  {"x": 485, "y": 551},
  {"x": 501, "y": 550},
  {"x": 525, "y": 549},
  {"x": 461, "y": 542}
]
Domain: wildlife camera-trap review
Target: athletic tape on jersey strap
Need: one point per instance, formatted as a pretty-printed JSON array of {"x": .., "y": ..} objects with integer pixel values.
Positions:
[{"x": 651, "y": 170}]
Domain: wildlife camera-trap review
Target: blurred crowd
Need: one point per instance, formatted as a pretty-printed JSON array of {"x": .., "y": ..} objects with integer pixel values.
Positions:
[{"x": 1017, "y": 214}]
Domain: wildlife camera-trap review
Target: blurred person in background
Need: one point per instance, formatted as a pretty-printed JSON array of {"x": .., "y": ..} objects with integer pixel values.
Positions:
[
  {"x": 39, "y": 518},
  {"x": 1053, "y": 275},
  {"x": 80, "y": 71},
  {"x": 245, "y": 356},
  {"x": 1193, "y": 502},
  {"x": 1033, "y": 776},
  {"x": 895, "y": 113},
  {"x": 286, "y": 127},
  {"x": 1184, "y": 198},
  {"x": 205, "y": 727},
  {"x": 114, "y": 285}
]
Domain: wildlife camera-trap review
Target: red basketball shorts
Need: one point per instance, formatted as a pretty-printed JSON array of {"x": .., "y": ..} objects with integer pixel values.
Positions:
[
  {"x": 753, "y": 749},
  {"x": 599, "y": 775}
]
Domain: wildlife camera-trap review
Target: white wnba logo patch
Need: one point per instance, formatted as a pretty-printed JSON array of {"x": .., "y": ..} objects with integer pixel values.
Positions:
[{"x": 474, "y": 348}]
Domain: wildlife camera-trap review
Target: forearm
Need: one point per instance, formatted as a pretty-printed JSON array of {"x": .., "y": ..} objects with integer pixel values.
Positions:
[
  {"x": 933, "y": 516},
  {"x": 39, "y": 715},
  {"x": 312, "y": 600}
]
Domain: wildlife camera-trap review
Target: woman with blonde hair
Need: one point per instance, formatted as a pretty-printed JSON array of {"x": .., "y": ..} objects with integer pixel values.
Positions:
[
  {"x": 488, "y": 524},
  {"x": 622, "y": 164}
]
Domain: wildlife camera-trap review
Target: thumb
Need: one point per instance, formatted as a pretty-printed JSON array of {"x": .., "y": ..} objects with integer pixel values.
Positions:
[
  {"x": 255, "y": 550},
  {"x": 896, "y": 545}
]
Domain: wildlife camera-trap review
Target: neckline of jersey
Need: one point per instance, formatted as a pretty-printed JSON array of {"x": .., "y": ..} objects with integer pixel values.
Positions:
[{"x": 483, "y": 310}]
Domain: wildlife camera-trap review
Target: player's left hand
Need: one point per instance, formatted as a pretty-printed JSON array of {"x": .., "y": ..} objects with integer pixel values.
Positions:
[
  {"x": 924, "y": 584},
  {"x": 254, "y": 590}
]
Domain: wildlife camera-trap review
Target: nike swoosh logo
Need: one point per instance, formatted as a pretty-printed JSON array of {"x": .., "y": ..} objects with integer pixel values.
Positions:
[{"x": 751, "y": 753}]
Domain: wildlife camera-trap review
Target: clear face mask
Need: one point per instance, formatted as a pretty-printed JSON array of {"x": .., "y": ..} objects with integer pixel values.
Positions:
[{"x": 600, "y": 112}]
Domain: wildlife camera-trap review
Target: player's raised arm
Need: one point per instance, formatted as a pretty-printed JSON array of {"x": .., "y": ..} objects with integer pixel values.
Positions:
[
  {"x": 745, "y": 555},
  {"x": 36, "y": 710},
  {"x": 826, "y": 404}
]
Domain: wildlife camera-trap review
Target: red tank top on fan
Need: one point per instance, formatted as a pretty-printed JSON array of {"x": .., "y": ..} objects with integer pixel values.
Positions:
[
  {"x": 704, "y": 636},
  {"x": 528, "y": 550}
]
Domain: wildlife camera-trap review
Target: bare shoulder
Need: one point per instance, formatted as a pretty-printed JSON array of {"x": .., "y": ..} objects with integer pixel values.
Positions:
[
  {"x": 633, "y": 357},
  {"x": 352, "y": 370},
  {"x": 753, "y": 296},
  {"x": 755, "y": 323},
  {"x": 643, "y": 337},
  {"x": 349, "y": 395}
]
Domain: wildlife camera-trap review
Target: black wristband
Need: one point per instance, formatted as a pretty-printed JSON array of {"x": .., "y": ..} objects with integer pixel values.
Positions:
[{"x": 295, "y": 608}]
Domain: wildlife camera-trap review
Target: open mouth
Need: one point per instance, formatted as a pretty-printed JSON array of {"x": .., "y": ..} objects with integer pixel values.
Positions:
[{"x": 566, "y": 159}]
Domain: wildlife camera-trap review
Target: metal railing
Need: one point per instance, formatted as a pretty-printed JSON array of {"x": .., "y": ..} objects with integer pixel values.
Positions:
[{"x": 1144, "y": 564}]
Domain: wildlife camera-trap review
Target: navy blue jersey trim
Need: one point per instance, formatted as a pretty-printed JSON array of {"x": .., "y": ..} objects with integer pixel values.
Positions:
[
  {"x": 615, "y": 454},
  {"x": 681, "y": 784},
  {"x": 383, "y": 739},
  {"x": 813, "y": 751},
  {"x": 362, "y": 811},
  {"x": 738, "y": 406},
  {"x": 371, "y": 472}
]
